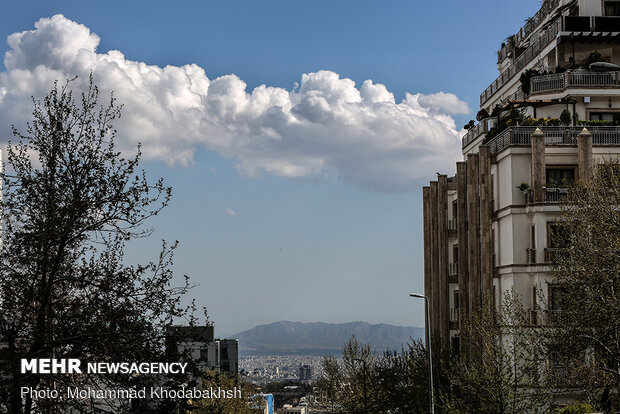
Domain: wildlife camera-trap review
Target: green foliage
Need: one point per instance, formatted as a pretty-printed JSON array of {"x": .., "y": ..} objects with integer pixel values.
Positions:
[
  {"x": 395, "y": 381},
  {"x": 235, "y": 405},
  {"x": 582, "y": 122},
  {"x": 526, "y": 77},
  {"x": 588, "y": 269},
  {"x": 501, "y": 372},
  {"x": 566, "y": 117},
  {"x": 523, "y": 186},
  {"x": 575, "y": 409},
  {"x": 593, "y": 58}
]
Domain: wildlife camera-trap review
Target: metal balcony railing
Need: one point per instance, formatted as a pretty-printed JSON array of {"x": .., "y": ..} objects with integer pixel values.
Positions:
[
  {"x": 561, "y": 135},
  {"x": 556, "y": 195},
  {"x": 552, "y": 254},
  {"x": 531, "y": 256},
  {"x": 548, "y": 317},
  {"x": 561, "y": 81},
  {"x": 453, "y": 269},
  {"x": 475, "y": 132},
  {"x": 538, "y": 42}
]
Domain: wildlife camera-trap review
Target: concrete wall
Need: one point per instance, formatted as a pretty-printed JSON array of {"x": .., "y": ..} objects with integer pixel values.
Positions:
[{"x": 590, "y": 8}]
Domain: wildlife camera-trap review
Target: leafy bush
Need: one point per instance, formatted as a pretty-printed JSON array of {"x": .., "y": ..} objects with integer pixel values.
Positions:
[
  {"x": 565, "y": 117},
  {"x": 593, "y": 58},
  {"x": 575, "y": 409}
]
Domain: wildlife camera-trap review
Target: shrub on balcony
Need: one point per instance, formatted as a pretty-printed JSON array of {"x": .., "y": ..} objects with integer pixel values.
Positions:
[
  {"x": 593, "y": 58},
  {"x": 586, "y": 123},
  {"x": 566, "y": 117},
  {"x": 575, "y": 409}
]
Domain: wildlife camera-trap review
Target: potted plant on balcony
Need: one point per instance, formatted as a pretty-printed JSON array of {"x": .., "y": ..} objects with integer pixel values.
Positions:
[{"x": 524, "y": 187}]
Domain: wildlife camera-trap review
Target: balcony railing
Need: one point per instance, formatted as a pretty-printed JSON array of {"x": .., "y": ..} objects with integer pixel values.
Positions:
[
  {"x": 454, "y": 315},
  {"x": 561, "y": 81},
  {"x": 556, "y": 195},
  {"x": 546, "y": 8},
  {"x": 553, "y": 136},
  {"x": 544, "y": 38},
  {"x": 537, "y": 43},
  {"x": 531, "y": 256},
  {"x": 552, "y": 254},
  {"x": 548, "y": 317},
  {"x": 475, "y": 132},
  {"x": 452, "y": 225},
  {"x": 453, "y": 269}
]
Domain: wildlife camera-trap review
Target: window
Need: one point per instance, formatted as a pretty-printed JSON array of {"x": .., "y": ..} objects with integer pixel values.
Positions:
[
  {"x": 455, "y": 209},
  {"x": 602, "y": 116},
  {"x": 457, "y": 302},
  {"x": 455, "y": 253},
  {"x": 558, "y": 235},
  {"x": 612, "y": 8},
  {"x": 560, "y": 177}
]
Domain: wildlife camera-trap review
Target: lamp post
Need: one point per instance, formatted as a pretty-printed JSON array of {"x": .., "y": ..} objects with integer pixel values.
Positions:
[
  {"x": 428, "y": 350},
  {"x": 363, "y": 361}
]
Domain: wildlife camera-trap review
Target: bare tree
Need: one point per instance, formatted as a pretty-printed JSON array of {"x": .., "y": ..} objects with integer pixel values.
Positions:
[{"x": 71, "y": 202}]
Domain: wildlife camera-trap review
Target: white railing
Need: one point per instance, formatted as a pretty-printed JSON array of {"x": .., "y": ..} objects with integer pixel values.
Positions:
[
  {"x": 452, "y": 224},
  {"x": 453, "y": 269},
  {"x": 562, "y": 81},
  {"x": 454, "y": 314}
]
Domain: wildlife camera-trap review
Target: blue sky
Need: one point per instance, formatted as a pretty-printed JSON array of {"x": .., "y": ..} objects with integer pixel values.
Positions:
[{"x": 310, "y": 228}]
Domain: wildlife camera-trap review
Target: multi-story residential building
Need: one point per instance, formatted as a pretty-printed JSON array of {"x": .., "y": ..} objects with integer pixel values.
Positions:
[
  {"x": 487, "y": 230},
  {"x": 220, "y": 355}
]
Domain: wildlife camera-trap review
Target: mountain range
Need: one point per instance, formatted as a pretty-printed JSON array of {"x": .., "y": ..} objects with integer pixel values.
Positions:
[{"x": 318, "y": 338}]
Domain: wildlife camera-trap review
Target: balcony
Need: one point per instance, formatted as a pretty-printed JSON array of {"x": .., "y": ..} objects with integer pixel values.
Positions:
[
  {"x": 454, "y": 315},
  {"x": 453, "y": 269},
  {"x": 538, "y": 42},
  {"x": 556, "y": 195},
  {"x": 531, "y": 255},
  {"x": 475, "y": 132},
  {"x": 562, "y": 135},
  {"x": 552, "y": 254},
  {"x": 548, "y": 317},
  {"x": 452, "y": 225},
  {"x": 592, "y": 24},
  {"x": 559, "y": 82},
  {"x": 599, "y": 27}
]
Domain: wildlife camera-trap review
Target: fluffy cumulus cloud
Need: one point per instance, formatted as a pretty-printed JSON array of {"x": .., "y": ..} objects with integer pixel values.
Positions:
[{"x": 325, "y": 126}]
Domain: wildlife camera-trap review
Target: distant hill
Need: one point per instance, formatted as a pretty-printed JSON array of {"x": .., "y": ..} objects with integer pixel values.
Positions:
[{"x": 318, "y": 338}]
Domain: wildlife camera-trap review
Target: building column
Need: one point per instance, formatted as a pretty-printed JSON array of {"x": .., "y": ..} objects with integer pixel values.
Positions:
[
  {"x": 538, "y": 165},
  {"x": 463, "y": 268},
  {"x": 444, "y": 294},
  {"x": 428, "y": 287},
  {"x": 486, "y": 228},
  {"x": 584, "y": 151},
  {"x": 473, "y": 231},
  {"x": 434, "y": 233}
]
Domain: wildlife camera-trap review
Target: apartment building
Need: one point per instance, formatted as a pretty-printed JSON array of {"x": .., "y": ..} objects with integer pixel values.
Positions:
[{"x": 488, "y": 229}]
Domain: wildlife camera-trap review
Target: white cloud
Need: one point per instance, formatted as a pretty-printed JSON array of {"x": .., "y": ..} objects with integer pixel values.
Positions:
[
  {"x": 231, "y": 212},
  {"x": 325, "y": 126}
]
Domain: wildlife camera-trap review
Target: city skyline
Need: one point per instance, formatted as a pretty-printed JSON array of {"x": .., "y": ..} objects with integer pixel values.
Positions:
[{"x": 316, "y": 227}]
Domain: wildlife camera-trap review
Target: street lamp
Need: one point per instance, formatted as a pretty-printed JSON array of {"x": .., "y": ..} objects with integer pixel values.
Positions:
[{"x": 428, "y": 349}]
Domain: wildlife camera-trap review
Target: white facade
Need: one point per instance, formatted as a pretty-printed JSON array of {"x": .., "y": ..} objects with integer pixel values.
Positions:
[{"x": 559, "y": 38}]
